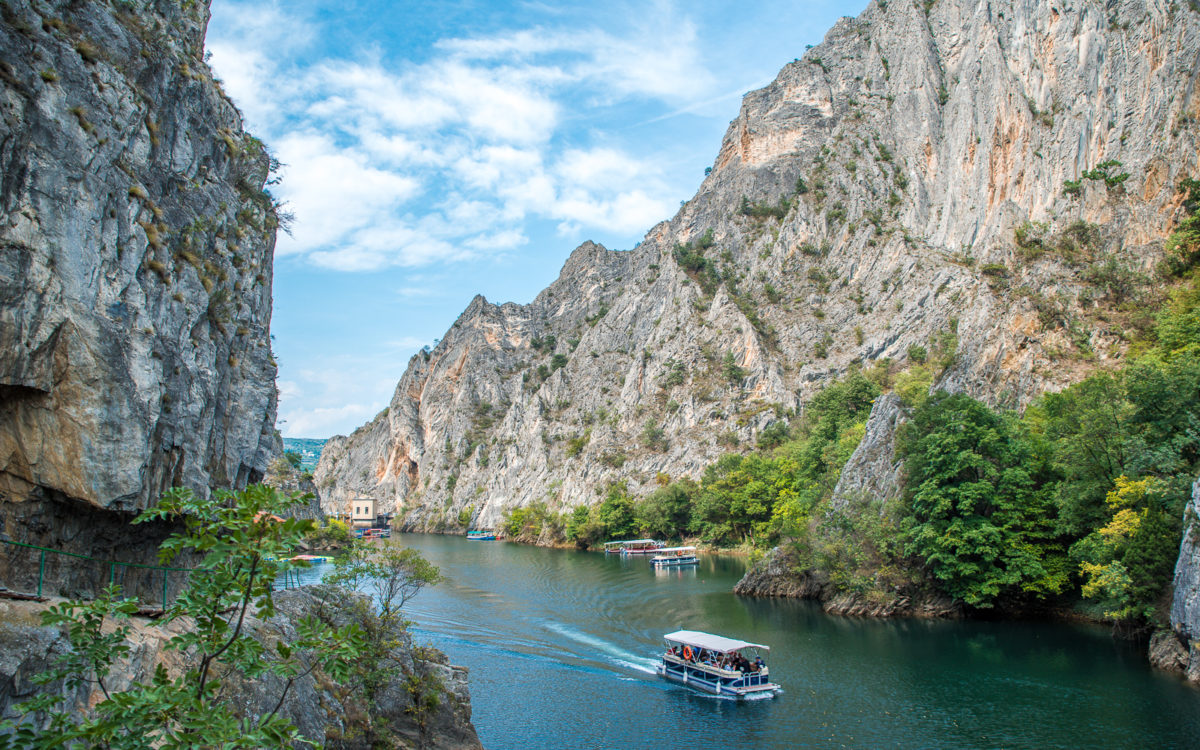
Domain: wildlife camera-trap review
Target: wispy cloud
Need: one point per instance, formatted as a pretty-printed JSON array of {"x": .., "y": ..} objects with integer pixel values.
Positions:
[{"x": 445, "y": 160}]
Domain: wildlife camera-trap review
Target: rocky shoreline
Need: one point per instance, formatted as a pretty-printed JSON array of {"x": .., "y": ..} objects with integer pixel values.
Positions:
[
  {"x": 332, "y": 715},
  {"x": 778, "y": 575}
]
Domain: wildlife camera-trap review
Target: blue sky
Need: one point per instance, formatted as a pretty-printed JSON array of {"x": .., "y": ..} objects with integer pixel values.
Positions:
[{"x": 434, "y": 151}]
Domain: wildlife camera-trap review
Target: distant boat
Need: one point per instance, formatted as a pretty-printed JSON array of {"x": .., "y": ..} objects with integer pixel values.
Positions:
[
  {"x": 312, "y": 558},
  {"x": 715, "y": 664},
  {"x": 633, "y": 547},
  {"x": 675, "y": 556},
  {"x": 479, "y": 535}
]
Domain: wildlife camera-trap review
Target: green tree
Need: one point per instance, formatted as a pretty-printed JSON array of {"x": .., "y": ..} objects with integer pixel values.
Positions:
[
  {"x": 666, "y": 512},
  {"x": 583, "y": 527},
  {"x": 974, "y": 517},
  {"x": 615, "y": 513},
  {"x": 392, "y": 575},
  {"x": 1086, "y": 427},
  {"x": 1183, "y": 244},
  {"x": 240, "y": 544},
  {"x": 1128, "y": 559}
]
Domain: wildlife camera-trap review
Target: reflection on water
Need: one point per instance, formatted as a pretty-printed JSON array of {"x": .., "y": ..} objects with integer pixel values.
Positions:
[{"x": 562, "y": 646}]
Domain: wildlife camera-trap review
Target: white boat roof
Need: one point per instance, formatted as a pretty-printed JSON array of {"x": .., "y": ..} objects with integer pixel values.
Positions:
[
  {"x": 678, "y": 549},
  {"x": 631, "y": 541},
  {"x": 709, "y": 641}
]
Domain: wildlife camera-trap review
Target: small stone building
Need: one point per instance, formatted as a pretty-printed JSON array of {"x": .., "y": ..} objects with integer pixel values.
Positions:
[{"x": 362, "y": 511}]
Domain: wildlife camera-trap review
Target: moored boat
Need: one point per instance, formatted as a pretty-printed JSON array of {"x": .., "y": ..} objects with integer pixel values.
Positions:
[
  {"x": 481, "y": 535},
  {"x": 675, "y": 556},
  {"x": 312, "y": 558},
  {"x": 717, "y": 665},
  {"x": 633, "y": 546}
]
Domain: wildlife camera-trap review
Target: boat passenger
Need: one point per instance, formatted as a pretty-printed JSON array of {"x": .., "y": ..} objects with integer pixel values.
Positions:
[{"x": 758, "y": 664}]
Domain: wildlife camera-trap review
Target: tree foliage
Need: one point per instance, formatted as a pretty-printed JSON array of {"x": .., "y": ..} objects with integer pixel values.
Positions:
[
  {"x": 241, "y": 545},
  {"x": 975, "y": 518}
]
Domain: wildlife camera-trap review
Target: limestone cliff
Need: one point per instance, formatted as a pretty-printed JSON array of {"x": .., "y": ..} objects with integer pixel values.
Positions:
[
  {"x": 1179, "y": 650},
  {"x": 136, "y": 244},
  {"x": 950, "y": 167}
]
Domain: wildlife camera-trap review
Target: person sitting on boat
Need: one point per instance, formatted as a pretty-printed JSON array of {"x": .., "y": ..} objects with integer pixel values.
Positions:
[{"x": 758, "y": 664}]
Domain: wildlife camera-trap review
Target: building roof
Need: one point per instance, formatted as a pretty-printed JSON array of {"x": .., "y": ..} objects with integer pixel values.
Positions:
[{"x": 709, "y": 641}]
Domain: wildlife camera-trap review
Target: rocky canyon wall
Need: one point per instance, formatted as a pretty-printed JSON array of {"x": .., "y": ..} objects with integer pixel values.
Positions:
[
  {"x": 136, "y": 244},
  {"x": 940, "y": 171}
]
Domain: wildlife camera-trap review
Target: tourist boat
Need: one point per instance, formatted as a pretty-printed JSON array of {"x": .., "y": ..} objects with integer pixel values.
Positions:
[
  {"x": 481, "y": 535},
  {"x": 716, "y": 664},
  {"x": 633, "y": 547},
  {"x": 675, "y": 556},
  {"x": 312, "y": 558}
]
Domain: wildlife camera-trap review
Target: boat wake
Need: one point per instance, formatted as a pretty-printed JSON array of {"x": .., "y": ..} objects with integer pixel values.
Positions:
[{"x": 609, "y": 651}]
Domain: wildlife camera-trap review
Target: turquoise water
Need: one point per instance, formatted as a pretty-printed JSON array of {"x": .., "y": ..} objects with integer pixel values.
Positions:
[{"x": 561, "y": 647}]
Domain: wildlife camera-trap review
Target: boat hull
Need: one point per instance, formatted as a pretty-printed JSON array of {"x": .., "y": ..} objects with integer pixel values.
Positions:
[
  {"x": 724, "y": 687},
  {"x": 674, "y": 561}
]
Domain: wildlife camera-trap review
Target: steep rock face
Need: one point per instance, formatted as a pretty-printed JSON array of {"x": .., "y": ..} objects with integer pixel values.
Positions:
[
  {"x": 332, "y": 716},
  {"x": 872, "y": 473},
  {"x": 291, "y": 481},
  {"x": 136, "y": 249},
  {"x": 951, "y": 158},
  {"x": 1183, "y": 649}
]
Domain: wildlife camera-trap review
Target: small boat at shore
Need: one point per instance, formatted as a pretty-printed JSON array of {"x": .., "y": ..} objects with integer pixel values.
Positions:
[
  {"x": 481, "y": 535},
  {"x": 633, "y": 547},
  {"x": 312, "y": 558},
  {"x": 675, "y": 556},
  {"x": 717, "y": 665}
]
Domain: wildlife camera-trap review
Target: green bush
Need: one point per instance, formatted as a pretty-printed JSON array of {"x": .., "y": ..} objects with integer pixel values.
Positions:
[
  {"x": 240, "y": 551},
  {"x": 974, "y": 517}
]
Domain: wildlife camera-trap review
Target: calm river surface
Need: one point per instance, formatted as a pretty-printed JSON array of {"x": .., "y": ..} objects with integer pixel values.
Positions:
[{"x": 562, "y": 646}]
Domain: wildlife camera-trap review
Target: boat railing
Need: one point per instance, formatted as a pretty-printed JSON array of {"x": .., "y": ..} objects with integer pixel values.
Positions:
[{"x": 712, "y": 669}]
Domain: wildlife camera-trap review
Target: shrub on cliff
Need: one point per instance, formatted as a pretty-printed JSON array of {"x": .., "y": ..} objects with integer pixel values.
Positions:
[
  {"x": 393, "y": 575},
  {"x": 241, "y": 543}
]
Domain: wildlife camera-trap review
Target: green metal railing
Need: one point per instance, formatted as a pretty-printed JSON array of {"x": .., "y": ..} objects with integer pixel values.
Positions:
[
  {"x": 86, "y": 576},
  {"x": 85, "y": 579}
]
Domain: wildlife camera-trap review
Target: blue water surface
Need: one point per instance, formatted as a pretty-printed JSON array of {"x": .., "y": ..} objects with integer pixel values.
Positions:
[{"x": 561, "y": 647}]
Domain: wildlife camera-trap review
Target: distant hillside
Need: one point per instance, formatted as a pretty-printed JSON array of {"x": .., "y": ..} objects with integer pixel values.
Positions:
[
  {"x": 308, "y": 448},
  {"x": 988, "y": 182}
]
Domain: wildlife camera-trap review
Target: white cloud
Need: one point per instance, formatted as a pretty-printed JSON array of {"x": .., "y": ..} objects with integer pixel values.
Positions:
[
  {"x": 446, "y": 160},
  {"x": 322, "y": 421},
  {"x": 315, "y": 403},
  {"x": 660, "y": 56},
  {"x": 334, "y": 191},
  {"x": 247, "y": 40},
  {"x": 504, "y": 240},
  {"x": 289, "y": 389}
]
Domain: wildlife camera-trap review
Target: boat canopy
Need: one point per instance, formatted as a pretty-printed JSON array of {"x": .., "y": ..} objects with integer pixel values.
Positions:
[
  {"x": 718, "y": 643},
  {"x": 630, "y": 541},
  {"x": 678, "y": 549}
]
